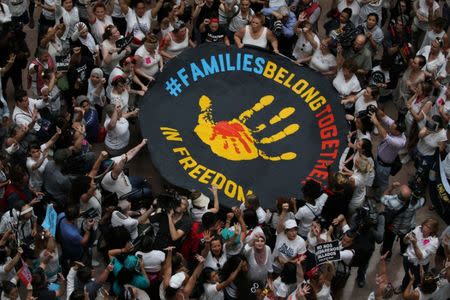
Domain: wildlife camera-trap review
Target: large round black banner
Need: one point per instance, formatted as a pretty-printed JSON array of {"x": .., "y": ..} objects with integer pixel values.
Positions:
[{"x": 244, "y": 120}]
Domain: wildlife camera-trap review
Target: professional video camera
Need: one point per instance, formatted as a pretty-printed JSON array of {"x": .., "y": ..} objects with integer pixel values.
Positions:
[
  {"x": 365, "y": 216},
  {"x": 167, "y": 201},
  {"x": 417, "y": 184}
]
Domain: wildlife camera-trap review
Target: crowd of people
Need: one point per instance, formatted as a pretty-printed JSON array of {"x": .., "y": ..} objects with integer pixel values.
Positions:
[{"x": 78, "y": 224}]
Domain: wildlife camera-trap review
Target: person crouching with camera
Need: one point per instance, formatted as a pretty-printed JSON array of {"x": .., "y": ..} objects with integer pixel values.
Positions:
[{"x": 423, "y": 244}]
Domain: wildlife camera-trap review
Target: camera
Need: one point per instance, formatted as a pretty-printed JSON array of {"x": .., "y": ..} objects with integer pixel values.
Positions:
[
  {"x": 371, "y": 109},
  {"x": 417, "y": 184}
]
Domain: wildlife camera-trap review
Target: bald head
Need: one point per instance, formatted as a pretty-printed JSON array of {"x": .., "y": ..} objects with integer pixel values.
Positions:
[
  {"x": 360, "y": 41},
  {"x": 405, "y": 191}
]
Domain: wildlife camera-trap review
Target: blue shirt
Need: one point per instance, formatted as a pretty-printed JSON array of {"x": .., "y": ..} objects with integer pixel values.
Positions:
[{"x": 71, "y": 238}]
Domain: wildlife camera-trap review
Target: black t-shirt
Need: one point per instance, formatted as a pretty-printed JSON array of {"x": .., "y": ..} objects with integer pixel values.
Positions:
[
  {"x": 213, "y": 37},
  {"x": 208, "y": 12},
  {"x": 163, "y": 238}
]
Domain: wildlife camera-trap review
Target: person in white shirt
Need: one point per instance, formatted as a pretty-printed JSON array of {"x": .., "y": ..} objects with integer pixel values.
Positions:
[
  {"x": 288, "y": 244},
  {"x": 346, "y": 83},
  {"x": 68, "y": 13},
  {"x": 26, "y": 110},
  {"x": 213, "y": 287},
  {"x": 358, "y": 180},
  {"x": 306, "y": 43},
  {"x": 139, "y": 20},
  {"x": 148, "y": 59},
  {"x": 99, "y": 18},
  {"x": 117, "y": 129},
  {"x": 38, "y": 159},
  {"x": 259, "y": 258},
  {"x": 115, "y": 181},
  {"x": 315, "y": 200},
  {"x": 323, "y": 60},
  {"x": 5, "y": 14},
  {"x": 423, "y": 244},
  {"x": 353, "y": 5}
]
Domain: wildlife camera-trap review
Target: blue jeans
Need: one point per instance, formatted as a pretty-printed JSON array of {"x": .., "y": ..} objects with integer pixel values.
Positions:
[{"x": 140, "y": 188}]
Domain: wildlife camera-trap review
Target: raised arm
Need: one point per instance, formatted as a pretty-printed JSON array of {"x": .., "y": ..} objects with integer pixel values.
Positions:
[{"x": 213, "y": 190}]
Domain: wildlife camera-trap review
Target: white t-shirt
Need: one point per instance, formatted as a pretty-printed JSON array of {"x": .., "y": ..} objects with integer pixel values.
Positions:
[
  {"x": 303, "y": 47},
  {"x": 120, "y": 186},
  {"x": 346, "y": 88},
  {"x": 150, "y": 63},
  {"x": 423, "y": 11},
  {"x": 152, "y": 260},
  {"x": 361, "y": 104},
  {"x": 211, "y": 292},
  {"x": 312, "y": 240},
  {"x": 277, "y": 3},
  {"x": 115, "y": 57},
  {"x": 119, "y": 219},
  {"x": 258, "y": 272},
  {"x": 282, "y": 289},
  {"x": 138, "y": 26},
  {"x": 359, "y": 193},
  {"x": 287, "y": 249},
  {"x": 308, "y": 212},
  {"x": 6, "y": 15},
  {"x": 435, "y": 65},
  {"x": 214, "y": 263},
  {"x": 17, "y": 7},
  {"x": 428, "y": 246},
  {"x": 428, "y": 144},
  {"x": 7, "y": 276},
  {"x": 49, "y": 15},
  {"x": 119, "y": 137},
  {"x": 322, "y": 62},
  {"x": 260, "y": 213},
  {"x": 121, "y": 99},
  {"x": 354, "y": 7},
  {"x": 36, "y": 176},
  {"x": 98, "y": 28}
]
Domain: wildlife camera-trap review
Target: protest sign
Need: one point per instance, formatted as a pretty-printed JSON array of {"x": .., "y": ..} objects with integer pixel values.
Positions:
[{"x": 327, "y": 252}]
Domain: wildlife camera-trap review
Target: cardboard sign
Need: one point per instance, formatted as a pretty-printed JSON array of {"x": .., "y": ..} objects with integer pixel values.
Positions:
[{"x": 327, "y": 252}]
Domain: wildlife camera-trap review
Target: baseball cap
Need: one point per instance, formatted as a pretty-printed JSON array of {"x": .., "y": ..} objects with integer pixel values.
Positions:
[{"x": 289, "y": 224}]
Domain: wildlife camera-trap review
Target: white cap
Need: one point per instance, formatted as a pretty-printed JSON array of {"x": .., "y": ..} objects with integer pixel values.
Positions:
[
  {"x": 289, "y": 224},
  {"x": 177, "y": 280},
  {"x": 201, "y": 201}
]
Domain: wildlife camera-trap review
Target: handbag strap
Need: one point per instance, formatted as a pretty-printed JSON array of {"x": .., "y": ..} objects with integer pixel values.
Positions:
[{"x": 316, "y": 216}]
